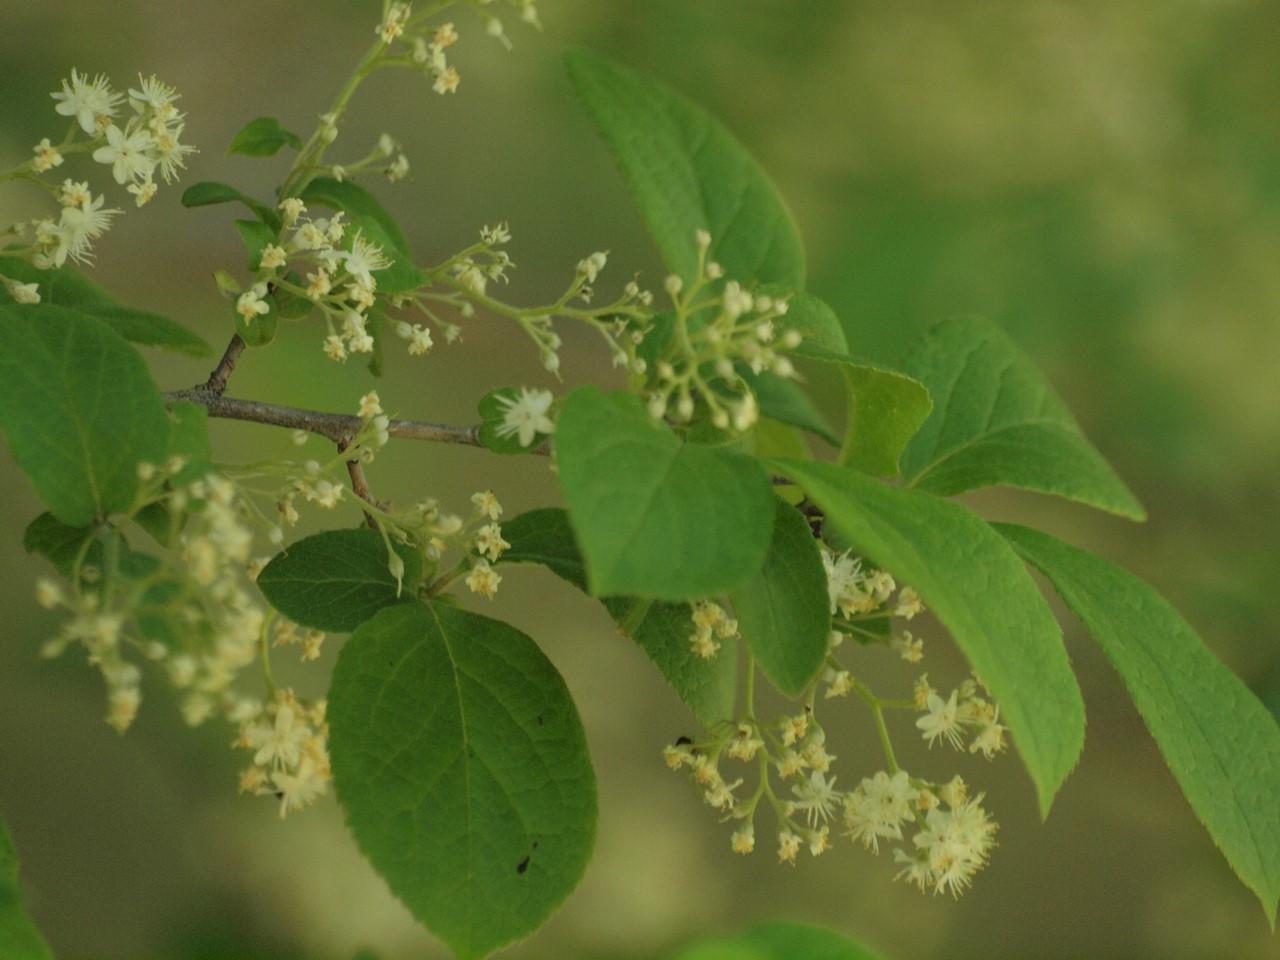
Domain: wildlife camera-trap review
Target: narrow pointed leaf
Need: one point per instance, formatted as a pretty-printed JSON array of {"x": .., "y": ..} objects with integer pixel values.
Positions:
[
  {"x": 19, "y": 938},
  {"x": 707, "y": 687},
  {"x": 67, "y": 287},
  {"x": 976, "y": 585},
  {"x": 783, "y": 611},
  {"x": 786, "y": 401},
  {"x": 79, "y": 409},
  {"x": 1221, "y": 743},
  {"x": 687, "y": 173},
  {"x": 996, "y": 421},
  {"x": 208, "y": 193},
  {"x": 462, "y": 765},
  {"x": 654, "y": 516},
  {"x": 338, "y": 579}
]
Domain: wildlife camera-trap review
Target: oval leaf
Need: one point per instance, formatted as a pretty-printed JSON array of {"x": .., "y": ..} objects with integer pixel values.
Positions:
[
  {"x": 79, "y": 409},
  {"x": 996, "y": 421},
  {"x": 654, "y": 516},
  {"x": 462, "y": 765},
  {"x": 1221, "y": 743},
  {"x": 981, "y": 592},
  {"x": 263, "y": 137},
  {"x": 687, "y": 173},
  {"x": 783, "y": 611},
  {"x": 338, "y": 579},
  {"x": 19, "y": 938}
]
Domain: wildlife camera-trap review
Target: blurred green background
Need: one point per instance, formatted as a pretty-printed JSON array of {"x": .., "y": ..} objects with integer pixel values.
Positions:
[{"x": 1101, "y": 178}]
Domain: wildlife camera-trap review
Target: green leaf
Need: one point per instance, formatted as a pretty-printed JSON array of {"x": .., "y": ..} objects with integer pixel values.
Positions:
[
  {"x": 787, "y": 401},
  {"x": 707, "y": 687},
  {"x": 462, "y": 765},
  {"x": 810, "y": 316},
  {"x": 260, "y": 329},
  {"x": 686, "y": 173},
  {"x": 977, "y": 587},
  {"x": 290, "y": 306},
  {"x": 67, "y": 287},
  {"x": 654, "y": 516},
  {"x": 885, "y": 410},
  {"x": 1221, "y": 743},
  {"x": 80, "y": 411},
  {"x": 337, "y": 580},
  {"x": 189, "y": 432},
  {"x": 780, "y": 940},
  {"x": 544, "y": 536},
  {"x": 996, "y": 420},
  {"x": 783, "y": 611},
  {"x": 358, "y": 202},
  {"x": 208, "y": 193},
  {"x": 60, "y": 543},
  {"x": 19, "y": 938},
  {"x": 263, "y": 137},
  {"x": 256, "y": 236}
]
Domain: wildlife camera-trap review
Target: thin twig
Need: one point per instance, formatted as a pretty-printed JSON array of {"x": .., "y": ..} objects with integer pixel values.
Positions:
[
  {"x": 338, "y": 427},
  {"x": 360, "y": 486},
  {"x": 217, "y": 382}
]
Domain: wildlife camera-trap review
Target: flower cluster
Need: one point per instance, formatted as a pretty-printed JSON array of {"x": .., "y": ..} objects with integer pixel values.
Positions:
[
  {"x": 953, "y": 833},
  {"x": 411, "y": 42},
  {"x": 289, "y": 740},
  {"x": 487, "y": 544},
  {"x": 964, "y": 709},
  {"x": 711, "y": 624},
  {"x": 191, "y": 611},
  {"x": 715, "y": 336},
  {"x": 148, "y": 141}
]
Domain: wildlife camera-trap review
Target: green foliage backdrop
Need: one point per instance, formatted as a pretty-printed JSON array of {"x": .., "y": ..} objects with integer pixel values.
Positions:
[{"x": 1098, "y": 179}]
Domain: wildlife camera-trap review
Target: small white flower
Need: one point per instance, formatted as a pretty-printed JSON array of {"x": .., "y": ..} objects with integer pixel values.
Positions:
[
  {"x": 127, "y": 154},
  {"x": 526, "y": 415},
  {"x": 86, "y": 101}
]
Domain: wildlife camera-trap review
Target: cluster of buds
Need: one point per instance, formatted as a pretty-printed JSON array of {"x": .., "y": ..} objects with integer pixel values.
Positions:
[
  {"x": 289, "y": 738},
  {"x": 191, "y": 612},
  {"x": 713, "y": 335},
  {"x": 476, "y": 266},
  {"x": 410, "y": 41},
  {"x": 486, "y": 542},
  {"x": 711, "y": 624}
]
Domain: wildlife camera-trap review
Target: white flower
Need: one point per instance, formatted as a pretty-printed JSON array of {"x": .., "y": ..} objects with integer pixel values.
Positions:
[
  {"x": 363, "y": 258},
  {"x": 87, "y": 101},
  {"x": 817, "y": 797},
  {"x": 942, "y": 720},
  {"x": 127, "y": 154},
  {"x": 526, "y": 415}
]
